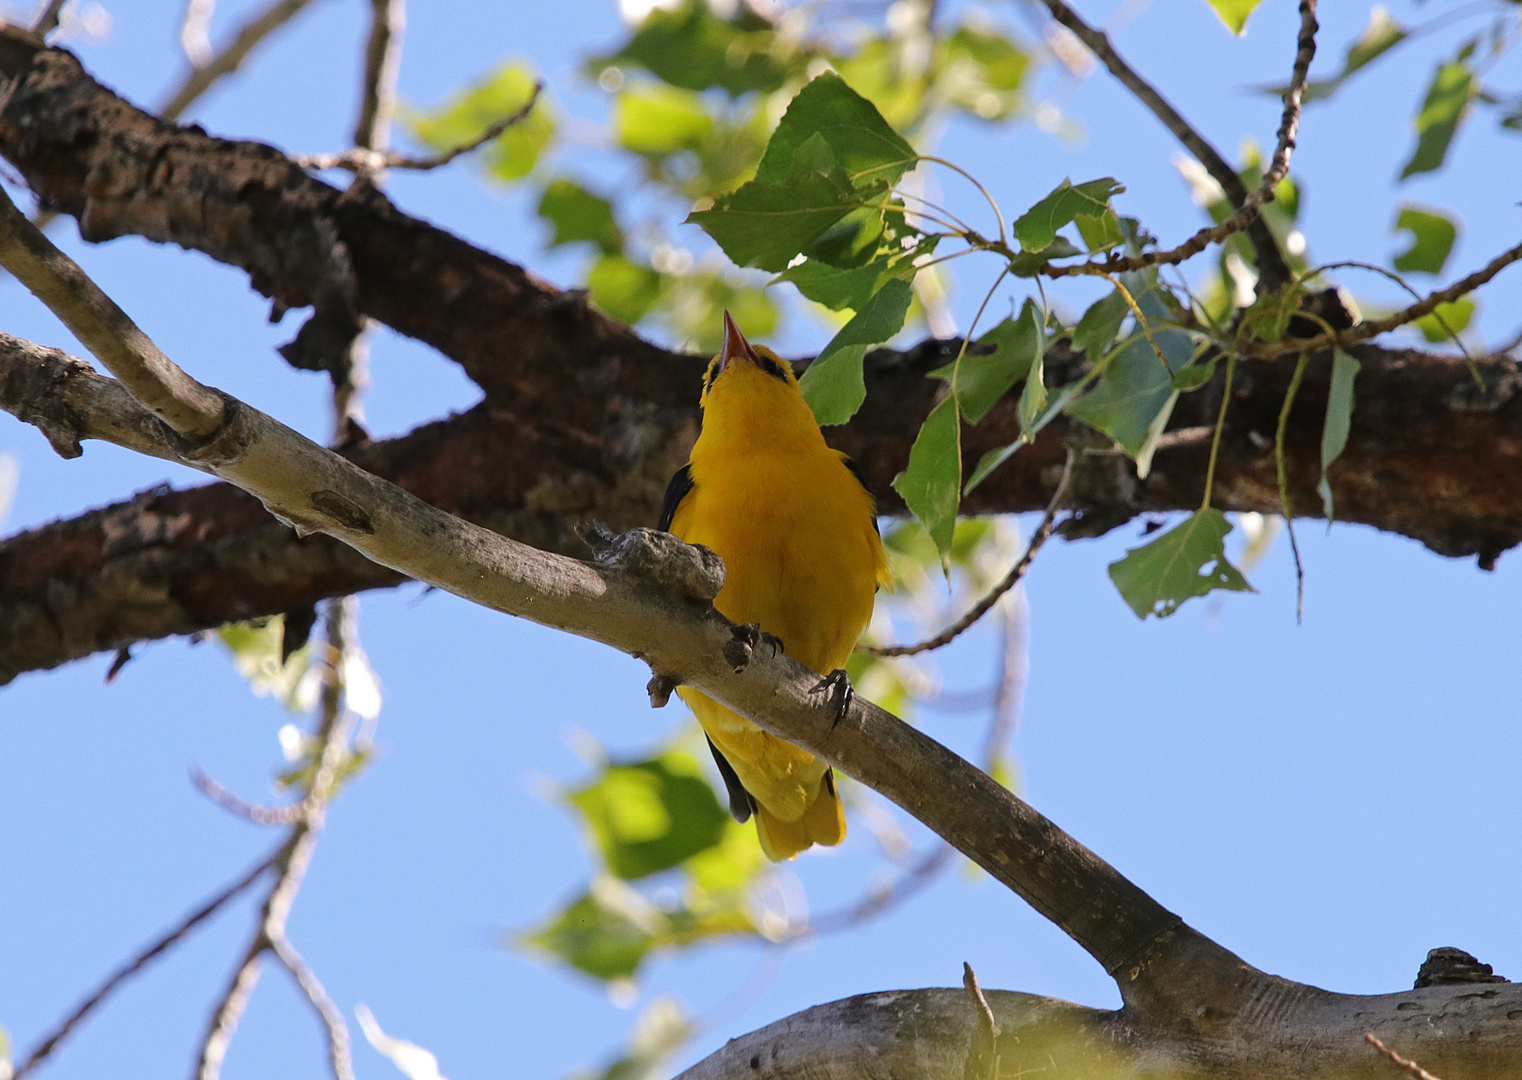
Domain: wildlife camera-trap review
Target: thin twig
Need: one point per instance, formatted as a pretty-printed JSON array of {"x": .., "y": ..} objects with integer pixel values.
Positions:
[
  {"x": 983, "y": 1055},
  {"x": 383, "y": 58},
  {"x": 1409, "y": 1067},
  {"x": 46, "y": 23},
  {"x": 227, "y": 800},
  {"x": 1246, "y": 205},
  {"x": 1273, "y": 271},
  {"x": 879, "y": 897},
  {"x": 339, "y": 1047},
  {"x": 1016, "y": 572},
  {"x": 359, "y": 160},
  {"x": 1283, "y": 476},
  {"x": 50, "y": 1042},
  {"x": 249, "y": 35}
]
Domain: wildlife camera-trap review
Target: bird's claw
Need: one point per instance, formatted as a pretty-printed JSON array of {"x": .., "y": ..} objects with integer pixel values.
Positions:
[
  {"x": 836, "y": 686},
  {"x": 742, "y": 644}
]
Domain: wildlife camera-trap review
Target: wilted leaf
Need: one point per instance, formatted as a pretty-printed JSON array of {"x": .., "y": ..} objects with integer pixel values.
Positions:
[
  {"x": 1432, "y": 237},
  {"x": 463, "y": 118},
  {"x": 651, "y": 815},
  {"x": 865, "y": 146},
  {"x": 1454, "y": 316},
  {"x": 1187, "y": 560},
  {"x": 1339, "y": 420},
  {"x": 1442, "y": 111},
  {"x": 1234, "y": 13},
  {"x": 833, "y": 385},
  {"x": 930, "y": 486},
  {"x": 578, "y": 215},
  {"x": 1037, "y": 227},
  {"x": 623, "y": 289}
]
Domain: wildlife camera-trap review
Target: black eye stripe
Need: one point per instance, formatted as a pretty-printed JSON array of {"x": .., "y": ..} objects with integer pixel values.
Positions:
[{"x": 772, "y": 368}]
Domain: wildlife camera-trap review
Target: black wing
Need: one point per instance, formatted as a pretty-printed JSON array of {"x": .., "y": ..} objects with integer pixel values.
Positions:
[
  {"x": 860, "y": 479},
  {"x": 676, "y": 491},
  {"x": 742, "y": 804}
]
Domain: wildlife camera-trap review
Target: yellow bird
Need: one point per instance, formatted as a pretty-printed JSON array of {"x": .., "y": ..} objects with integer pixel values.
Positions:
[{"x": 798, "y": 535}]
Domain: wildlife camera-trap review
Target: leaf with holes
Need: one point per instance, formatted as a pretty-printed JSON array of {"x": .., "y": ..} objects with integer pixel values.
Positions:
[
  {"x": 1432, "y": 235},
  {"x": 1186, "y": 561}
]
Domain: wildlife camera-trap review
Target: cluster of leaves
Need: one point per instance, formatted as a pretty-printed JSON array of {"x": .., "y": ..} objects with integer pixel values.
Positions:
[{"x": 694, "y": 96}]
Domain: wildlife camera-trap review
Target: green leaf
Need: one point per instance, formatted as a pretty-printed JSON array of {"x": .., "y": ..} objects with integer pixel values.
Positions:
[
  {"x": 1138, "y": 384},
  {"x": 1194, "y": 376},
  {"x": 931, "y": 484},
  {"x": 768, "y": 225},
  {"x": 1234, "y": 13},
  {"x": 651, "y": 815},
  {"x": 578, "y": 215},
  {"x": 1339, "y": 420},
  {"x": 983, "y": 379},
  {"x": 1032, "y": 401},
  {"x": 990, "y": 461},
  {"x": 861, "y": 140},
  {"x": 513, "y": 154},
  {"x": 833, "y": 385},
  {"x": 1187, "y": 560},
  {"x": 1099, "y": 231},
  {"x": 1442, "y": 111},
  {"x": 1028, "y": 263},
  {"x": 1432, "y": 235},
  {"x": 1037, "y": 227},
  {"x": 660, "y": 120},
  {"x": 983, "y": 72},
  {"x": 852, "y": 287},
  {"x": 693, "y": 48},
  {"x": 623, "y": 289},
  {"x": 611, "y": 928},
  {"x": 1096, "y": 331},
  {"x": 1454, "y": 316}
]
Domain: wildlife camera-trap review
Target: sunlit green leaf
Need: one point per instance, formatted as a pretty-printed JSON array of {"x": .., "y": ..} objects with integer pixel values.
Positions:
[
  {"x": 729, "y": 865},
  {"x": 851, "y": 287},
  {"x": 1186, "y": 561},
  {"x": 463, "y": 118},
  {"x": 660, "y": 120},
  {"x": 1432, "y": 235},
  {"x": 651, "y": 815},
  {"x": 930, "y": 486},
  {"x": 577, "y": 215},
  {"x": 1339, "y": 420},
  {"x": 984, "y": 378},
  {"x": 769, "y": 225},
  {"x": 693, "y": 48},
  {"x": 1234, "y": 13},
  {"x": 1096, "y": 331},
  {"x": 1453, "y": 316},
  {"x": 1037, "y": 227},
  {"x": 1442, "y": 111},
  {"x": 833, "y": 385},
  {"x": 1032, "y": 401},
  {"x": 861, "y": 140},
  {"x": 611, "y": 928},
  {"x": 622, "y": 289},
  {"x": 983, "y": 72},
  {"x": 1099, "y": 231}
]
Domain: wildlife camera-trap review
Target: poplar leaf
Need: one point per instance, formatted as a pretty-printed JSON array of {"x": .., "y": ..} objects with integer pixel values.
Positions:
[
  {"x": 833, "y": 385},
  {"x": 1432, "y": 236},
  {"x": 1442, "y": 112},
  {"x": 1339, "y": 420},
  {"x": 1037, "y": 227},
  {"x": 1234, "y": 13},
  {"x": 861, "y": 140},
  {"x": 1186, "y": 561},
  {"x": 933, "y": 480},
  {"x": 984, "y": 378}
]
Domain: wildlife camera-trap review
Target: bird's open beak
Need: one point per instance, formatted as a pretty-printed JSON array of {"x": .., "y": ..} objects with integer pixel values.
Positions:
[{"x": 735, "y": 345}]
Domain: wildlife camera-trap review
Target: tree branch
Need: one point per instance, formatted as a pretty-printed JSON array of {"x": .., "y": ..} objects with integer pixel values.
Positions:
[{"x": 1273, "y": 271}]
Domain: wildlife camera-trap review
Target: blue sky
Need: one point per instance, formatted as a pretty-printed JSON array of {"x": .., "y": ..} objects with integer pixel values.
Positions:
[{"x": 1329, "y": 800}]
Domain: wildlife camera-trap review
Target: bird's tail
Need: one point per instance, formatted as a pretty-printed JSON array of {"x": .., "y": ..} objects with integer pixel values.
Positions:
[{"x": 823, "y": 822}]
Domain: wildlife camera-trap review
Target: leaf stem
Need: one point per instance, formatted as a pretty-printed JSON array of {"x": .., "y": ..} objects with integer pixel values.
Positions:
[
  {"x": 1220, "y": 426},
  {"x": 1289, "y": 517}
]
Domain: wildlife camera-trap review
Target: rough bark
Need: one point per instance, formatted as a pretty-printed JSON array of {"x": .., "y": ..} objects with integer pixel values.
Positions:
[{"x": 584, "y": 419}]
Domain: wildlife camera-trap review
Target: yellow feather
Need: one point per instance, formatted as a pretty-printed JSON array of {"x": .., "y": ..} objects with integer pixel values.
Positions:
[{"x": 802, "y": 558}]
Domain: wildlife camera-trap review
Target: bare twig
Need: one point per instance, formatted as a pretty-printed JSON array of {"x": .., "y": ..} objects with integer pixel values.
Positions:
[
  {"x": 1406, "y": 1065},
  {"x": 383, "y": 57},
  {"x": 227, "y": 800},
  {"x": 46, "y": 23},
  {"x": 291, "y": 866},
  {"x": 880, "y": 897},
  {"x": 340, "y": 1056},
  {"x": 50, "y": 1042},
  {"x": 1273, "y": 270},
  {"x": 185, "y": 405},
  {"x": 249, "y": 35},
  {"x": 361, "y": 160},
  {"x": 946, "y": 636},
  {"x": 983, "y": 1055}
]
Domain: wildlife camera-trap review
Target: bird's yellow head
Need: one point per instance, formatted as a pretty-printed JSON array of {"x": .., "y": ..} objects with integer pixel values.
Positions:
[{"x": 750, "y": 392}]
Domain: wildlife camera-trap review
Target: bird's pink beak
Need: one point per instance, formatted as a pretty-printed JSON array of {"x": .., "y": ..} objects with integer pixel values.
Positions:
[{"x": 735, "y": 345}]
